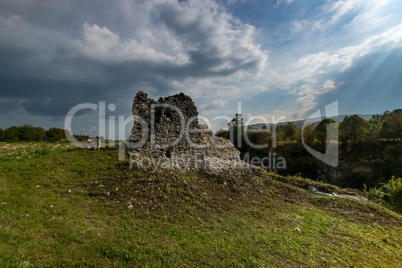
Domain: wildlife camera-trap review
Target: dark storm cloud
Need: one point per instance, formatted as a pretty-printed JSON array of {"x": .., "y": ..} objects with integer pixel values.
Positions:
[
  {"x": 56, "y": 54},
  {"x": 9, "y": 105},
  {"x": 44, "y": 97}
]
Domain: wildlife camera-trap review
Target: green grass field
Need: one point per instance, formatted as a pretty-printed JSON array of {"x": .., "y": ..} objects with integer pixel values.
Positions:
[{"x": 61, "y": 207}]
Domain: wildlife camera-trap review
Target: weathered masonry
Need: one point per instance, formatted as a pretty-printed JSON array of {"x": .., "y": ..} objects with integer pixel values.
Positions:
[{"x": 168, "y": 131}]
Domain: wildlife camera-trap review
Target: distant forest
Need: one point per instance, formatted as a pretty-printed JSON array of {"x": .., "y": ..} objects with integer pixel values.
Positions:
[
  {"x": 370, "y": 151},
  {"x": 27, "y": 133}
]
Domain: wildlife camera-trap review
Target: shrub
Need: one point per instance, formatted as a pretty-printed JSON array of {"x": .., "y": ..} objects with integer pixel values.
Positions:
[
  {"x": 391, "y": 193},
  {"x": 395, "y": 193},
  {"x": 11, "y": 134},
  {"x": 375, "y": 194},
  {"x": 55, "y": 134},
  {"x": 392, "y": 126}
]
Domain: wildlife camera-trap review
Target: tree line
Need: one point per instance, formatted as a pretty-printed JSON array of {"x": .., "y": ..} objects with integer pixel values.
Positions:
[
  {"x": 28, "y": 133},
  {"x": 375, "y": 144},
  {"x": 352, "y": 130}
]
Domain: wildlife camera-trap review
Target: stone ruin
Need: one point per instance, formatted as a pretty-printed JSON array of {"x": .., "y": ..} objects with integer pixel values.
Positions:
[
  {"x": 92, "y": 144},
  {"x": 167, "y": 133}
]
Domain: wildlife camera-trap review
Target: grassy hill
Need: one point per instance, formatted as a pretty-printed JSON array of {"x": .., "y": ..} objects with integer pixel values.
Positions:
[{"x": 62, "y": 206}]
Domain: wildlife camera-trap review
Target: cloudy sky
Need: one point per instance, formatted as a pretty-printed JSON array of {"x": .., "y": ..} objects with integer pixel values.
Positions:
[{"x": 278, "y": 58}]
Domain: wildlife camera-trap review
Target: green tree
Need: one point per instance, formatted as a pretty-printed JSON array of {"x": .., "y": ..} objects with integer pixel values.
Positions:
[
  {"x": 24, "y": 132},
  {"x": 55, "y": 134},
  {"x": 309, "y": 134},
  {"x": 353, "y": 129},
  {"x": 321, "y": 130},
  {"x": 81, "y": 137},
  {"x": 11, "y": 134},
  {"x": 237, "y": 121},
  {"x": 280, "y": 132},
  {"x": 236, "y": 130},
  {"x": 38, "y": 134},
  {"x": 257, "y": 137},
  {"x": 1, "y": 134},
  {"x": 30, "y": 133},
  {"x": 392, "y": 126},
  {"x": 222, "y": 133},
  {"x": 291, "y": 131},
  {"x": 395, "y": 193},
  {"x": 374, "y": 127}
]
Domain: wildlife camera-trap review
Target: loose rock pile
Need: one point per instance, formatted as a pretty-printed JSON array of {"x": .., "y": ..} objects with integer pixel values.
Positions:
[
  {"x": 167, "y": 134},
  {"x": 92, "y": 144}
]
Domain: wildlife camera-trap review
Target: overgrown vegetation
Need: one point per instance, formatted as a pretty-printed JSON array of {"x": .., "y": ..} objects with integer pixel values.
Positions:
[
  {"x": 389, "y": 194},
  {"x": 370, "y": 151},
  {"x": 66, "y": 207},
  {"x": 29, "y": 133}
]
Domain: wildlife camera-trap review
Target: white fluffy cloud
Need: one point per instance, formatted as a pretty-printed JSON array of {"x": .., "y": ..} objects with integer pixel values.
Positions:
[
  {"x": 213, "y": 105},
  {"x": 307, "y": 77},
  {"x": 101, "y": 44}
]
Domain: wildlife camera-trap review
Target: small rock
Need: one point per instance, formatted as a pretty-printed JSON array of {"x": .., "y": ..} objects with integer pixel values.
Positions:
[
  {"x": 130, "y": 207},
  {"x": 297, "y": 229}
]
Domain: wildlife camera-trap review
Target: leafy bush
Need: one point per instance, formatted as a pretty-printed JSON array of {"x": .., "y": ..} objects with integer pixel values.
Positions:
[
  {"x": 55, "y": 134},
  {"x": 30, "y": 133},
  {"x": 392, "y": 126},
  {"x": 11, "y": 134},
  {"x": 390, "y": 193},
  {"x": 375, "y": 194},
  {"x": 395, "y": 193}
]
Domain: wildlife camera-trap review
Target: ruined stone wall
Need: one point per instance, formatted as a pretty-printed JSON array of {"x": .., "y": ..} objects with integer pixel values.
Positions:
[{"x": 169, "y": 128}]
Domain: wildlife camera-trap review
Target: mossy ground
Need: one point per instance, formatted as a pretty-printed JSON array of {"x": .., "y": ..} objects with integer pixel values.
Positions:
[{"x": 62, "y": 207}]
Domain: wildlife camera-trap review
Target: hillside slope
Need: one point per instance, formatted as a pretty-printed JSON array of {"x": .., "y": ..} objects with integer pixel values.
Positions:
[{"x": 62, "y": 206}]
